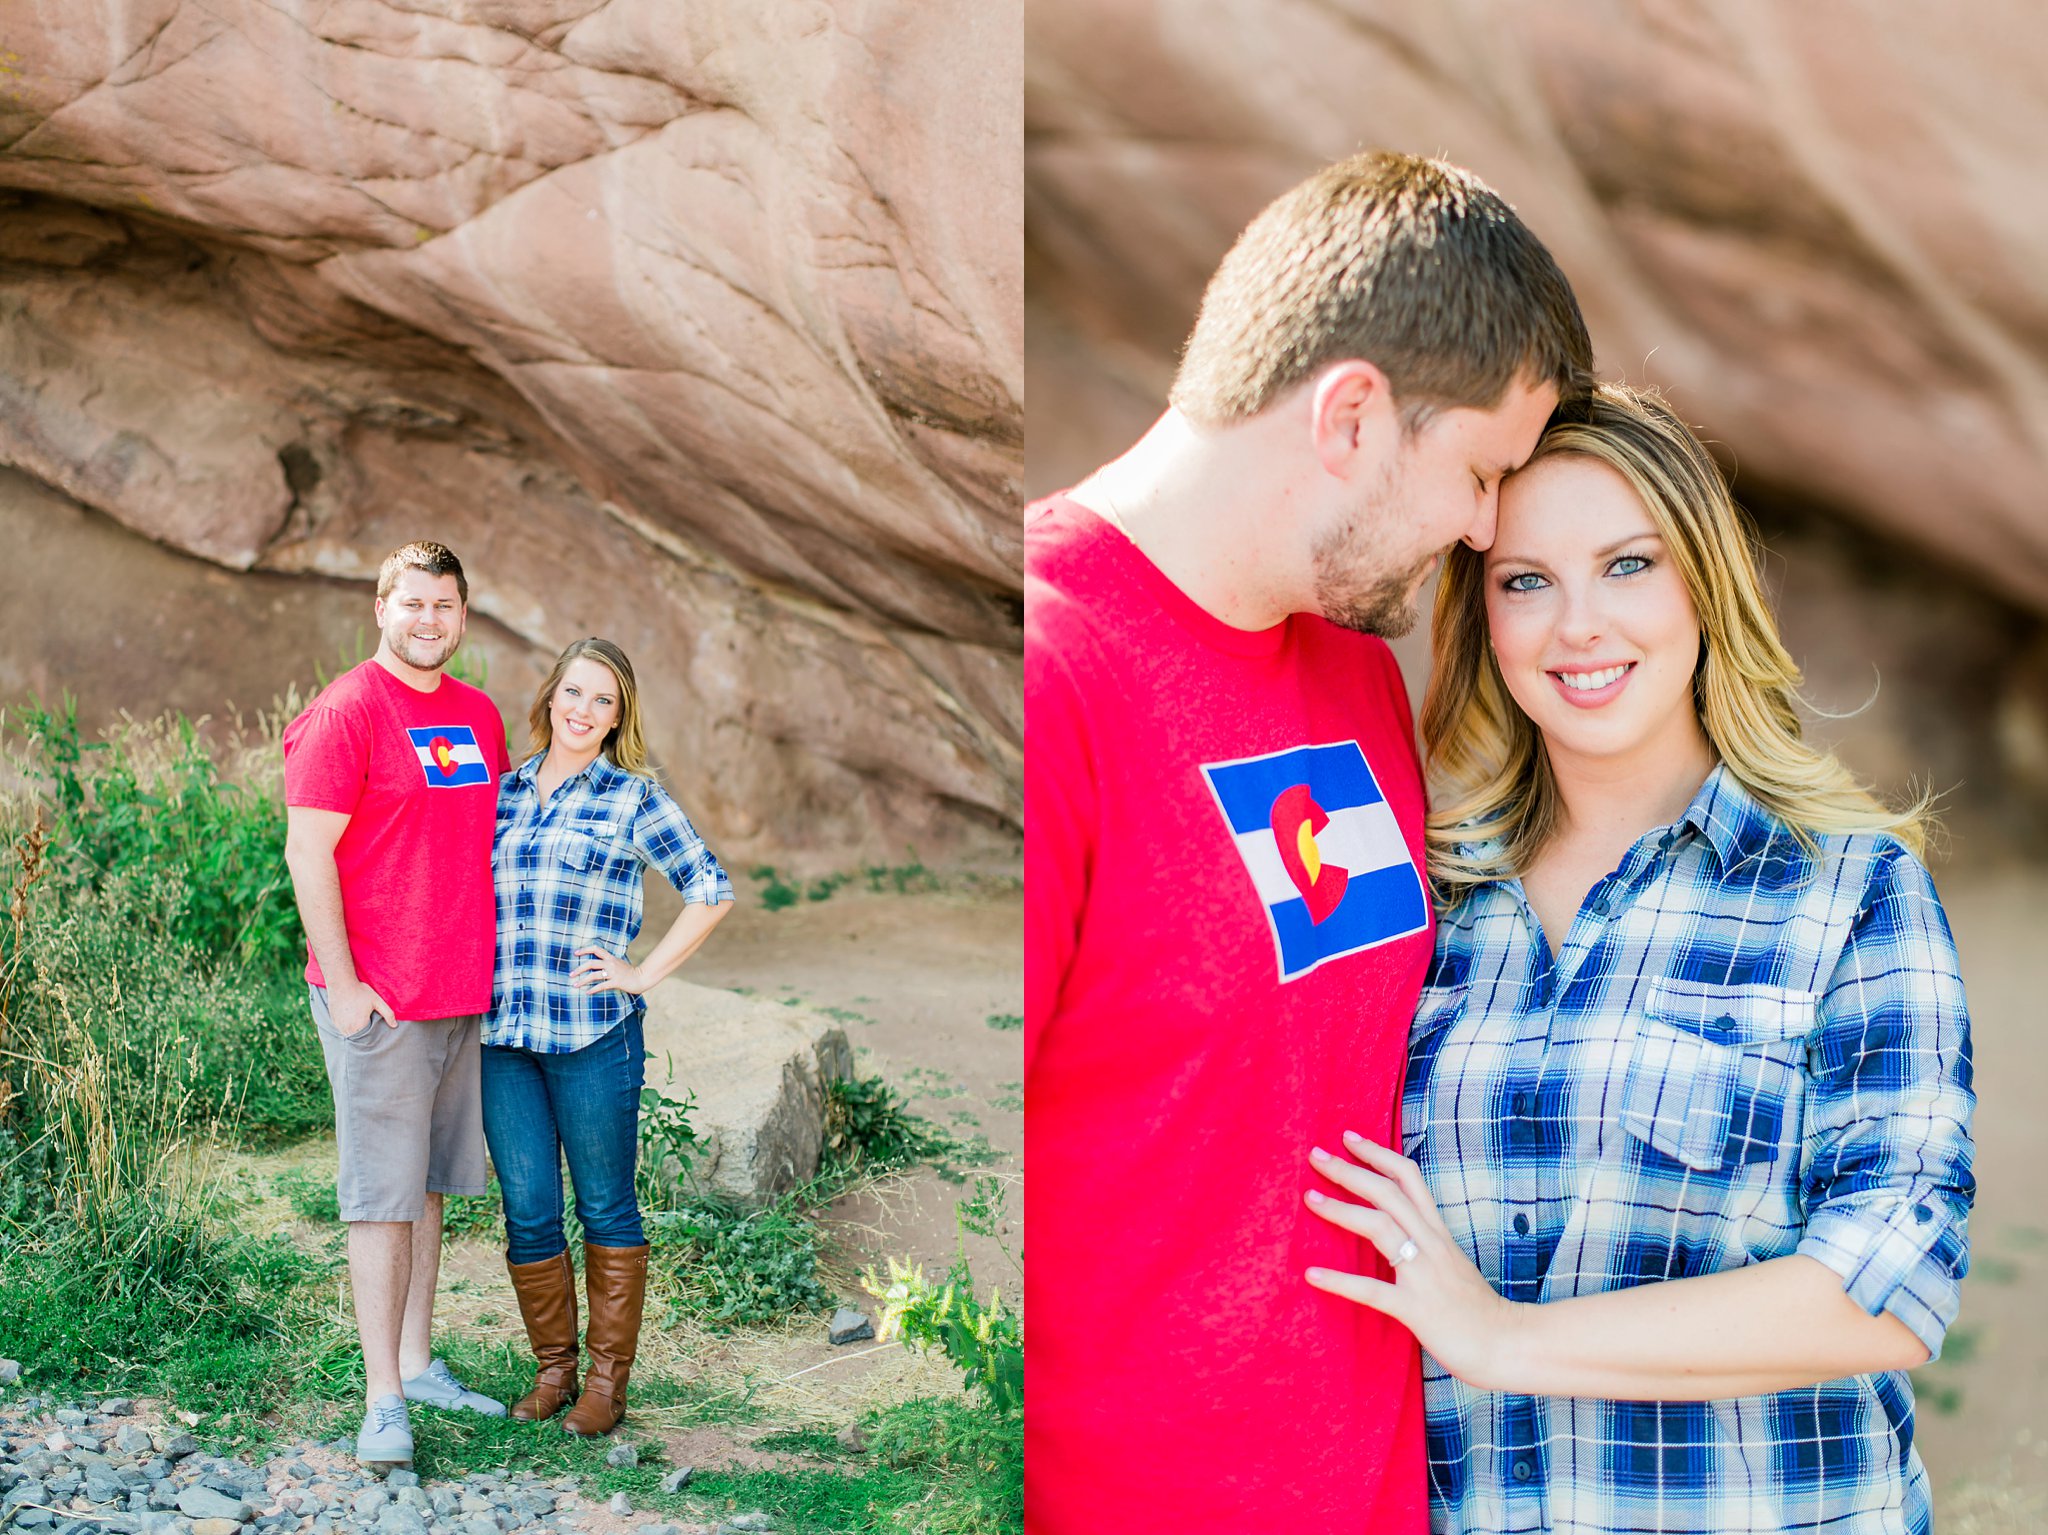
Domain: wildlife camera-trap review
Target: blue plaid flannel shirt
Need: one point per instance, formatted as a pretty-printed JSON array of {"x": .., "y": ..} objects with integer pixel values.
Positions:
[
  {"x": 568, "y": 873},
  {"x": 1741, "y": 1051}
]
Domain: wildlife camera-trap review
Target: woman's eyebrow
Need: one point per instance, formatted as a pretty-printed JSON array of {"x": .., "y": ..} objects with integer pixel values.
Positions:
[{"x": 1620, "y": 543}]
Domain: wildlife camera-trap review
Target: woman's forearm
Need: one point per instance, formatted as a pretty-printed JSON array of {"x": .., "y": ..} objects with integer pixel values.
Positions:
[
  {"x": 1775, "y": 1326},
  {"x": 693, "y": 924}
]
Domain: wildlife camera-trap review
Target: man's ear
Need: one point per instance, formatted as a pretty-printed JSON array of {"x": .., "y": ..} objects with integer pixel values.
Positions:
[{"x": 1351, "y": 406}]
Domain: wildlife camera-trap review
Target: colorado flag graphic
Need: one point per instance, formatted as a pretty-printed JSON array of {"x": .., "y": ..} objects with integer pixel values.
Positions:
[
  {"x": 1324, "y": 852},
  {"x": 449, "y": 756}
]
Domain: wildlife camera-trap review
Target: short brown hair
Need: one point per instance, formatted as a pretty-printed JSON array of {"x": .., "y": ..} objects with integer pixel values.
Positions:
[
  {"x": 434, "y": 559},
  {"x": 1413, "y": 265}
]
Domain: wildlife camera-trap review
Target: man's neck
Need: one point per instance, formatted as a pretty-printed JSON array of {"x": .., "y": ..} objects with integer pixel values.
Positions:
[
  {"x": 1210, "y": 509},
  {"x": 419, "y": 681}
]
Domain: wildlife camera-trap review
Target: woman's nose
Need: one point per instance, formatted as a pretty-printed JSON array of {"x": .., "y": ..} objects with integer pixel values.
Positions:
[{"x": 1581, "y": 622}]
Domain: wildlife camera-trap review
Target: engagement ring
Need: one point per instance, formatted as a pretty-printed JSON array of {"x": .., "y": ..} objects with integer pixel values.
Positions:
[{"x": 1407, "y": 1251}]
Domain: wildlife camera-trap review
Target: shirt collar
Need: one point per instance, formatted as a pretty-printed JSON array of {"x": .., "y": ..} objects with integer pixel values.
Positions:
[
  {"x": 1731, "y": 820},
  {"x": 601, "y": 772},
  {"x": 1734, "y": 824}
]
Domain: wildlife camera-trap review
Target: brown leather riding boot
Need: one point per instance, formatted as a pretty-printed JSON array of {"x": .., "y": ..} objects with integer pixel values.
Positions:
[
  {"x": 617, "y": 1277},
  {"x": 547, "y": 1304}
]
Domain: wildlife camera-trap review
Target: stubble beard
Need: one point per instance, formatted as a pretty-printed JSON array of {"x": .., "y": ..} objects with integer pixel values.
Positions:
[
  {"x": 1353, "y": 589},
  {"x": 414, "y": 653}
]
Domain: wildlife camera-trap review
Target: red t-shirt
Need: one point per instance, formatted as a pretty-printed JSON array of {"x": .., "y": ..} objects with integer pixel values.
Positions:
[
  {"x": 417, "y": 776},
  {"x": 1225, "y": 934}
]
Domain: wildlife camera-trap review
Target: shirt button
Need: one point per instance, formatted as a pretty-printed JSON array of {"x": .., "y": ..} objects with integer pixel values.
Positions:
[
  {"x": 1922, "y": 1214},
  {"x": 1724, "y": 1022},
  {"x": 1523, "y": 1470},
  {"x": 1600, "y": 907},
  {"x": 1521, "y": 1225},
  {"x": 1521, "y": 1103}
]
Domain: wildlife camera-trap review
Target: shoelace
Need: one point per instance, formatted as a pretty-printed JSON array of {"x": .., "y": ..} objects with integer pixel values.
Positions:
[
  {"x": 388, "y": 1418},
  {"x": 439, "y": 1370}
]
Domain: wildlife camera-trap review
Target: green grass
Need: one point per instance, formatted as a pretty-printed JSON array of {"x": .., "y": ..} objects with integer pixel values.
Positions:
[{"x": 163, "y": 1301}]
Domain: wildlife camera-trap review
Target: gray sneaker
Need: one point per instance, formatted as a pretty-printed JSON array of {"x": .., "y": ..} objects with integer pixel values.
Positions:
[
  {"x": 386, "y": 1438},
  {"x": 438, "y": 1387}
]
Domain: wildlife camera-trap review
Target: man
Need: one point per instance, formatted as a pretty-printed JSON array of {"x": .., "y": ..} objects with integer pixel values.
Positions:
[
  {"x": 1226, "y": 921},
  {"x": 391, "y": 789}
]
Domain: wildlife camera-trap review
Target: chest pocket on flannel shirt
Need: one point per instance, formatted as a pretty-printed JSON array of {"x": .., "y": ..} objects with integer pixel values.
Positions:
[
  {"x": 1718, "y": 1074},
  {"x": 587, "y": 845}
]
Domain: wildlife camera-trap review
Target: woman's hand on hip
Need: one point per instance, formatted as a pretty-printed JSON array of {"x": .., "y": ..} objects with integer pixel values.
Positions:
[
  {"x": 1437, "y": 1292},
  {"x": 601, "y": 971}
]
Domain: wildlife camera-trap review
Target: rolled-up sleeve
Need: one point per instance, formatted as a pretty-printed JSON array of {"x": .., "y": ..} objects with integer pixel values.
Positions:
[
  {"x": 664, "y": 836},
  {"x": 1888, "y": 1182}
]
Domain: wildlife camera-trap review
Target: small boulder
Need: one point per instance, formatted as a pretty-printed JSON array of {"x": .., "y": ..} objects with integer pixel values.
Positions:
[
  {"x": 849, "y": 1326},
  {"x": 677, "y": 1479},
  {"x": 622, "y": 1456},
  {"x": 759, "y": 1071}
]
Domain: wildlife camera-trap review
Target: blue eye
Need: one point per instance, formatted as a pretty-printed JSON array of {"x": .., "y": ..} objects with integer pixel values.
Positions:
[
  {"x": 1523, "y": 581},
  {"x": 1629, "y": 565}
]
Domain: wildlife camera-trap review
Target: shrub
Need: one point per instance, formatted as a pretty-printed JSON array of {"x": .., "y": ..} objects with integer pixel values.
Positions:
[
  {"x": 868, "y": 1124},
  {"x": 984, "y": 1339},
  {"x": 150, "y": 801},
  {"x": 776, "y": 892},
  {"x": 669, "y": 1146},
  {"x": 733, "y": 1265},
  {"x": 160, "y": 894}
]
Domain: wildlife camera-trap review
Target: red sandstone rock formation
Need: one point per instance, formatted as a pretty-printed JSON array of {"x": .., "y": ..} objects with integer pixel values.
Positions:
[
  {"x": 697, "y": 326},
  {"x": 1820, "y": 226}
]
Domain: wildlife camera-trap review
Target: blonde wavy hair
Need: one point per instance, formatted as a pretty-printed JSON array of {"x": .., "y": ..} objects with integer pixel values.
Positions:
[
  {"x": 623, "y": 743},
  {"x": 1495, "y": 799}
]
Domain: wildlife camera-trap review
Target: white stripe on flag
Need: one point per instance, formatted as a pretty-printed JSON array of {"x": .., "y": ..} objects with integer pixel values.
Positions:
[
  {"x": 1358, "y": 839},
  {"x": 457, "y": 752}
]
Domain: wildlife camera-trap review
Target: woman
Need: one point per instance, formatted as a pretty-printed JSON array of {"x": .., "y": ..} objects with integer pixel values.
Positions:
[
  {"x": 1688, "y": 1094},
  {"x": 562, "y": 1051}
]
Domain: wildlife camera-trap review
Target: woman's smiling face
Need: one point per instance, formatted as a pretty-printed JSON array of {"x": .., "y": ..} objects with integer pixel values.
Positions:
[
  {"x": 1591, "y": 623},
  {"x": 585, "y": 705}
]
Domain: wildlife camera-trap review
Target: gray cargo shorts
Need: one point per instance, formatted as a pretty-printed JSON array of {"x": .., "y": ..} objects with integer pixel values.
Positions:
[{"x": 408, "y": 1112}]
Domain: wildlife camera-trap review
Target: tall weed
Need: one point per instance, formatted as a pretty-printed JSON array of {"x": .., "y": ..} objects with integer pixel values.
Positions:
[{"x": 151, "y": 800}]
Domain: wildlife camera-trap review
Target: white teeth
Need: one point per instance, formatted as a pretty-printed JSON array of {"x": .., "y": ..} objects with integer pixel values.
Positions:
[{"x": 1586, "y": 682}]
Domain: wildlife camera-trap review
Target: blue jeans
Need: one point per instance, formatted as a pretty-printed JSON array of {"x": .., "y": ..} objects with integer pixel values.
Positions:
[{"x": 585, "y": 1104}]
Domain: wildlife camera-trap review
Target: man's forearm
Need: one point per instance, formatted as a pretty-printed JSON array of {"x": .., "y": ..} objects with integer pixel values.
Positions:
[{"x": 1778, "y": 1325}]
